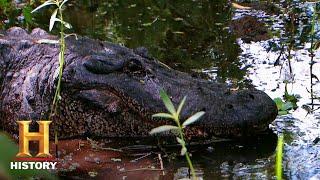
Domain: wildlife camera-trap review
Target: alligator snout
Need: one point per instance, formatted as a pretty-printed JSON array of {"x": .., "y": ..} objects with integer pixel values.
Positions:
[{"x": 241, "y": 113}]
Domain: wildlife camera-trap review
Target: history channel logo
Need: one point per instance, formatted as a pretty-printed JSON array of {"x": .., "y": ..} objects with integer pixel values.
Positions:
[{"x": 24, "y": 160}]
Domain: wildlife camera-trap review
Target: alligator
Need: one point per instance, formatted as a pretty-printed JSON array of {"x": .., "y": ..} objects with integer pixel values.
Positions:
[{"x": 112, "y": 91}]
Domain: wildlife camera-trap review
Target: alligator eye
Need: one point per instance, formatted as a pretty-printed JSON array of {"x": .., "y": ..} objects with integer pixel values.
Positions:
[{"x": 102, "y": 65}]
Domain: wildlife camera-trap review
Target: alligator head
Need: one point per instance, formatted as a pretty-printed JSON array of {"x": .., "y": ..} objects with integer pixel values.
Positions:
[{"x": 112, "y": 91}]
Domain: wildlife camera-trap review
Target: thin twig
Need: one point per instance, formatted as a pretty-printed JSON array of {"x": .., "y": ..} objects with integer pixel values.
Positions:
[
  {"x": 111, "y": 149},
  {"x": 142, "y": 169},
  {"x": 164, "y": 65},
  {"x": 139, "y": 158}
]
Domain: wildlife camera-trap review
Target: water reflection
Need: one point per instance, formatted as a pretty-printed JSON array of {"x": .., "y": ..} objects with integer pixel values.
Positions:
[
  {"x": 194, "y": 35},
  {"x": 186, "y": 35}
]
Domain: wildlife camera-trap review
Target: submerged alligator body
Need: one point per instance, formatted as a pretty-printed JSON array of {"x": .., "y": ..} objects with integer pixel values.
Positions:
[{"x": 112, "y": 91}]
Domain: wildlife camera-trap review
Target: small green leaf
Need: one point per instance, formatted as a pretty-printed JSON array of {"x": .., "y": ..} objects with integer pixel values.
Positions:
[
  {"x": 53, "y": 19},
  {"x": 181, "y": 105},
  {"x": 183, "y": 151},
  {"x": 163, "y": 115},
  {"x": 193, "y": 118},
  {"x": 180, "y": 141},
  {"x": 49, "y": 2},
  {"x": 164, "y": 128},
  {"x": 287, "y": 106},
  {"x": 278, "y": 102},
  {"x": 67, "y": 25},
  {"x": 167, "y": 102},
  {"x": 281, "y": 113}
]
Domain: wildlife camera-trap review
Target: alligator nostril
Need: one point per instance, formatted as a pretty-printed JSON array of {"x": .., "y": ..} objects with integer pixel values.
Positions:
[
  {"x": 251, "y": 96},
  {"x": 229, "y": 106},
  {"x": 203, "y": 109}
]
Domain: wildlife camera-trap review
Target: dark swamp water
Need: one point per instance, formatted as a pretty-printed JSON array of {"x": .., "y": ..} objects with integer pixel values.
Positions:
[{"x": 217, "y": 41}]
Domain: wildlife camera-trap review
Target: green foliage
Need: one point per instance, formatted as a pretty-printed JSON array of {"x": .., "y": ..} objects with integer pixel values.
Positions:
[
  {"x": 288, "y": 103},
  {"x": 8, "y": 152},
  {"x": 292, "y": 98},
  {"x": 59, "y": 4},
  {"x": 279, "y": 156},
  {"x": 175, "y": 115},
  {"x": 10, "y": 13},
  {"x": 4, "y": 4},
  {"x": 57, "y": 12},
  {"x": 26, "y": 11},
  {"x": 283, "y": 107},
  {"x": 53, "y": 19}
]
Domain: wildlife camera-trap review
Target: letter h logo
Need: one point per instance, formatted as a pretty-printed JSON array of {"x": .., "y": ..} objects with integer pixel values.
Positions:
[{"x": 42, "y": 136}]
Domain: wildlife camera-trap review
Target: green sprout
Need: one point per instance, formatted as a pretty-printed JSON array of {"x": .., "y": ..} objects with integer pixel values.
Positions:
[
  {"x": 175, "y": 115},
  {"x": 57, "y": 16},
  {"x": 57, "y": 12}
]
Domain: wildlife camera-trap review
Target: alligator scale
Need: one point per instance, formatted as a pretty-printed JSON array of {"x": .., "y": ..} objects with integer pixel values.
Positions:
[{"x": 112, "y": 91}]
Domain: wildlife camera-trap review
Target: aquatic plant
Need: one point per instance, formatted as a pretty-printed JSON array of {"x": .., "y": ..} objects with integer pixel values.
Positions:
[
  {"x": 57, "y": 12},
  {"x": 175, "y": 116},
  {"x": 283, "y": 107},
  {"x": 289, "y": 101},
  {"x": 279, "y": 156}
]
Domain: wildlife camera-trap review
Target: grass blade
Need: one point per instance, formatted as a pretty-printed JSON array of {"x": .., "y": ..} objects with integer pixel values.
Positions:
[
  {"x": 164, "y": 128},
  {"x": 163, "y": 115},
  {"x": 181, "y": 105},
  {"x": 193, "y": 118},
  {"x": 167, "y": 102}
]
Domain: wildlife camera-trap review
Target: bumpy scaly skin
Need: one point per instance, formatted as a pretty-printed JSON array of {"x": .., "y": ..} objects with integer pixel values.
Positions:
[{"x": 112, "y": 91}]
